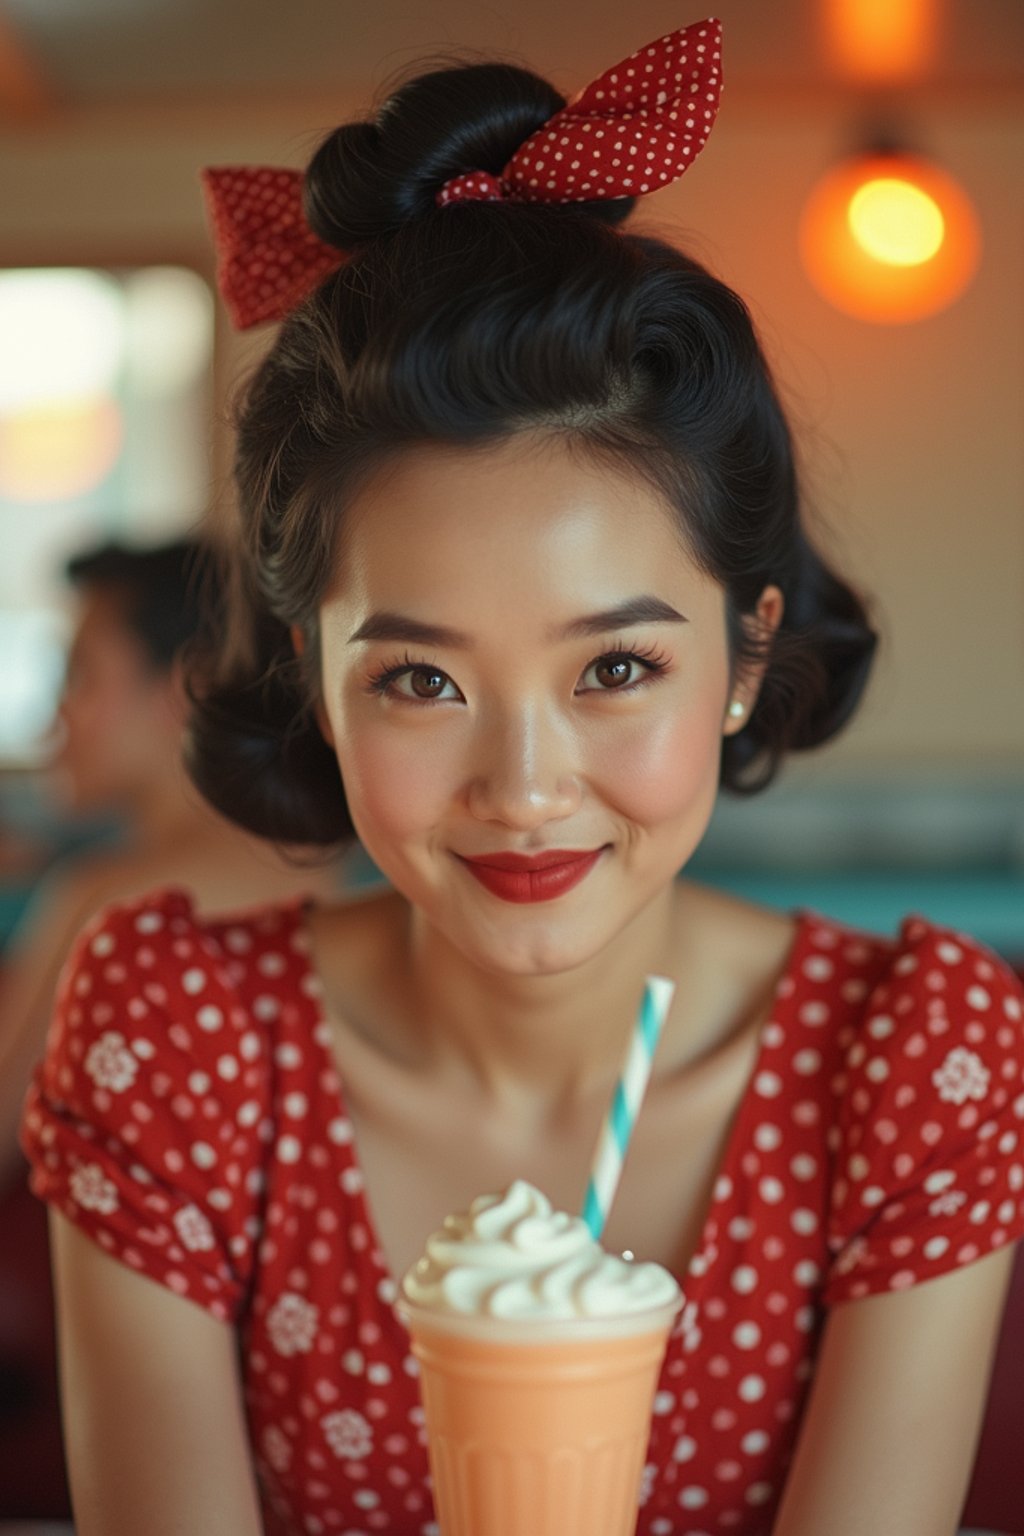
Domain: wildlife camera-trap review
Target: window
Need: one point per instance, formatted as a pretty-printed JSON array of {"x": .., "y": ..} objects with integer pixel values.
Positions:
[{"x": 104, "y": 433}]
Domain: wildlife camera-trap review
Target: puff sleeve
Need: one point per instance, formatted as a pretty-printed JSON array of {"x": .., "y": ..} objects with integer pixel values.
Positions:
[
  {"x": 143, "y": 1122},
  {"x": 927, "y": 1144}
]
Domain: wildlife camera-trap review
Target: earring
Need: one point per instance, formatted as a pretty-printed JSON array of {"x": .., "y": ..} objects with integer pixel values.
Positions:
[{"x": 737, "y": 709}]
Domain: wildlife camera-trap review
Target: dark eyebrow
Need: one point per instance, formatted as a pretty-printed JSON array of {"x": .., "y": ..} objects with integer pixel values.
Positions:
[
  {"x": 386, "y": 625},
  {"x": 646, "y": 609},
  {"x": 636, "y": 610}
]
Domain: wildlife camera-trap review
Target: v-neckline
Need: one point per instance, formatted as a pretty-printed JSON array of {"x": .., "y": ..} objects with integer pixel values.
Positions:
[{"x": 388, "y": 1282}]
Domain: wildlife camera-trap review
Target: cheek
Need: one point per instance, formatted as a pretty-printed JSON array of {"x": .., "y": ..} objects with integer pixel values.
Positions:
[
  {"x": 668, "y": 769},
  {"x": 393, "y": 784}
]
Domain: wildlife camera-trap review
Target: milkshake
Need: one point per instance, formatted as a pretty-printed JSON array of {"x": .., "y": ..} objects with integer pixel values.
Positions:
[{"x": 539, "y": 1357}]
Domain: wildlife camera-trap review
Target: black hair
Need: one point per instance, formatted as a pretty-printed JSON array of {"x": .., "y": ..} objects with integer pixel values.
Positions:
[
  {"x": 162, "y": 591},
  {"x": 465, "y": 325}
]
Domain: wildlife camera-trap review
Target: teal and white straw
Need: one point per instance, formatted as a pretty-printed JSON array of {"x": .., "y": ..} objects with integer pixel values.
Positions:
[{"x": 625, "y": 1106}]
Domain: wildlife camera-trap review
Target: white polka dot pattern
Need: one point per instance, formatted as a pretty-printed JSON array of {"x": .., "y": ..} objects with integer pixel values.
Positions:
[
  {"x": 222, "y": 1163},
  {"x": 268, "y": 258},
  {"x": 633, "y": 130},
  {"x": 930, "y": 1126}
]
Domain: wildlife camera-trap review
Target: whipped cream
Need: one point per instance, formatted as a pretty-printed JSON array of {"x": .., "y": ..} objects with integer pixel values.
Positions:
[{"x": 513, "y": 1255}]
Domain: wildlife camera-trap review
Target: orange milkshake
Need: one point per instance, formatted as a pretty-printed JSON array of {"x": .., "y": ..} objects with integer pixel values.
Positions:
[{"x": 539, "y": 1357}]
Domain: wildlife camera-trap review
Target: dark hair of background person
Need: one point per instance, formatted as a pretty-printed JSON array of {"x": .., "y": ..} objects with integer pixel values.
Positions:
[
  {"x": 162, "y": 591},
  {"x": 464, "y": 326}
]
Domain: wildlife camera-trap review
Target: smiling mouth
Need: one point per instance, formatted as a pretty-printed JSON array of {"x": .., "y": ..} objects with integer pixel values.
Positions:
[{"x": 520, "y": 878}]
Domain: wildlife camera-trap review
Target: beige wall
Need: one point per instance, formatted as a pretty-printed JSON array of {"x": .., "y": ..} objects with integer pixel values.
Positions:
[{"x": 913, "y": 436}]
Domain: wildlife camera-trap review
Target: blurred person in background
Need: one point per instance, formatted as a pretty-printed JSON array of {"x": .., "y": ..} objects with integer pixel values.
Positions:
[
  {"x": 117, "y": 752},
  {"x": 119, "y": 730}
]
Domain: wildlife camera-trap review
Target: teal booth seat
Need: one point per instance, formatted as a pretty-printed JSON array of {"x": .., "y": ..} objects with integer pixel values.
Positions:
[{"x": 990, "y": 907}]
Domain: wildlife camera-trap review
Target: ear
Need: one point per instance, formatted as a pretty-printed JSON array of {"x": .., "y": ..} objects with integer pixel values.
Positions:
[
  {"x": 299, "y": 645},
  {"x": 763, "y": 622}
]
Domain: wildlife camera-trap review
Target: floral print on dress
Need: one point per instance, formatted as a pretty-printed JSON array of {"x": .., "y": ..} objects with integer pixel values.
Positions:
[
  {"x": 276, "y": 1448},
  {"x": 291, "y": 1324},
  {"x": 851, "y": 1257},
  {"x": 110, "y": 1063},
  {"x": 948, "y": 1203},
  {"x": 962, "y": 1076},
  {"x": 191, "y": 1118},
  {"x": 194, "y": 1230},
  {"x": 91, "y": 1190},
  {"x": 348, "y": 1434}
]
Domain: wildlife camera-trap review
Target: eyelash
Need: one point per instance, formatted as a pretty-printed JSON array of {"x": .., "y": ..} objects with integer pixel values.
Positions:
[{"x": 652, "y": 660}]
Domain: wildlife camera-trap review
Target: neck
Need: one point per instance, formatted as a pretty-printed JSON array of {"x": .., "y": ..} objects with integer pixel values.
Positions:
[
  {"x": 169, "y": 811},
  {"x": 537, "y": 1045}
]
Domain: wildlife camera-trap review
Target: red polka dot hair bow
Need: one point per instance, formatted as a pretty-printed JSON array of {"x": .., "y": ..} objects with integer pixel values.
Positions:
[{"x": 634, "y": 129}]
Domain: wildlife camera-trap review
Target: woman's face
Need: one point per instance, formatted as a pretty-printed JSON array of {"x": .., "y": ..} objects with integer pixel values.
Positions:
[
  {"x": 114, "y": 719},
  {"x": 518, "y": 656}
]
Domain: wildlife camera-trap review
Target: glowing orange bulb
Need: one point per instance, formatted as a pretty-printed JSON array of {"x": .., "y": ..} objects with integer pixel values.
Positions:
[
  {"x": 877, "y": 41},
  {"x": 889, "y": 238},
  {"x": 896, "y": 222}
]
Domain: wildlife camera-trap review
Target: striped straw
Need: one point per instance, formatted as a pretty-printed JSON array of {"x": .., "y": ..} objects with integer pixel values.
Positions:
[{"x": 606, "y": 1169}]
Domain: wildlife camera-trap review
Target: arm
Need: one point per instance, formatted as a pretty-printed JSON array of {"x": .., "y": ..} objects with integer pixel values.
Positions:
[
  {"x": 893, "y": 1418},
  {"x": 61, "y": 904},
  {"x": 153, "y": 1420}
]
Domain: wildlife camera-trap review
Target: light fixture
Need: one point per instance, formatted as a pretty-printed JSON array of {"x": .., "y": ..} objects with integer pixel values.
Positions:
[
  {"x": 880, "y": 42},
  {"x": 888, "y": 236}
]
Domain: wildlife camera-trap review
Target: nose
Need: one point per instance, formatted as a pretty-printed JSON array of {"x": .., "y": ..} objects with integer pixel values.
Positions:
[{"x": 525, "y": 770}]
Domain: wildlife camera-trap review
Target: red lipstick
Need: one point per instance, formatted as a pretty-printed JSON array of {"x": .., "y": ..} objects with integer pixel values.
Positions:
[{"x": 521, "y": 877}]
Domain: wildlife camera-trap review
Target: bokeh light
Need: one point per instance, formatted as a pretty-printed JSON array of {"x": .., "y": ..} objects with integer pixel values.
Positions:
[
  {"x": 896, "y": 222},
  {"x": 889, "y": 238},
  {"x": 55, "y": 452},
  {"x": 877, "y": 42},
  {"x": 168, "y": 319},
  {"x": 62, "y": 336}
]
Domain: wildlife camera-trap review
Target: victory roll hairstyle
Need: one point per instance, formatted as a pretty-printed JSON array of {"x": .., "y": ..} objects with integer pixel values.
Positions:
[{"x": 464, "y": 326}]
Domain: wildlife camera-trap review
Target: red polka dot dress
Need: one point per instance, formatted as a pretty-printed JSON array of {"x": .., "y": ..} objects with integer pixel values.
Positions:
[{"x": 188, "y": 1116}]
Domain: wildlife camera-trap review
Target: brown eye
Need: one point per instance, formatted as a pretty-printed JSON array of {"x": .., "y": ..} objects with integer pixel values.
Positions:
[
  {"x": 621, "y": 672},
  {"x": 613, "y": 671},
  {"x": 426, "y": 682},
  {"x": 415, "y": 683}
]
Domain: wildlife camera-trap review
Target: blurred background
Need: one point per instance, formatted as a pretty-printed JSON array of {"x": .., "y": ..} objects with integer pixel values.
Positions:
[{"x": 899, "y": 350}]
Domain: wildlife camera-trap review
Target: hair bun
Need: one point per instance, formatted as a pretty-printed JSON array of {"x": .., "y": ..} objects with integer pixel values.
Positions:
[{"x": 368, "y": 178}]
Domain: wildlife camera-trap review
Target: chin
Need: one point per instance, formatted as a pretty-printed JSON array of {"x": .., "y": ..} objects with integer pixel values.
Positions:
[{"x": 542, "y": 950}]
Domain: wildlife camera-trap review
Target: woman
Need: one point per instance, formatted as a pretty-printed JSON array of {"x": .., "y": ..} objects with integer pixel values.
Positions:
[
  {"x": 526, "y": 583},
  {"x": 118, "y": 752}
]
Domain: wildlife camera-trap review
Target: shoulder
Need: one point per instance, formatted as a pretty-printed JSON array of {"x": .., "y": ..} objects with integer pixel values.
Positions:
[
  {"x": 931, "y": 1017},
  {"x": 148, "y": 1120},
  {"x": 947, "y": 960},
  {"x": 934, "y": 992},
  {"x": 928, "y": 1112},
  {"x": 921, "y": 965},
  {"x": 151, "y": 990},
  {"x": 160, "y": 932}
]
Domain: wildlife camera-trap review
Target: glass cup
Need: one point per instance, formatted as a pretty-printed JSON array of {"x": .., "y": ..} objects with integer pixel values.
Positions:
[{"x": 538, "y": 1427}]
